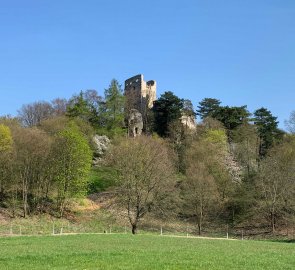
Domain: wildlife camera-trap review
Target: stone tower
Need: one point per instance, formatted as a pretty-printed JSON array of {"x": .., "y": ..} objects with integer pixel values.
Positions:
[{"x": 140, "y": 96}]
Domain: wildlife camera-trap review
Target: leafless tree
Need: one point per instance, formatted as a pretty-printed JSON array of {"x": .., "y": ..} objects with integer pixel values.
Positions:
[
  {"x": 59, "y": 106},
  {"x": 32, "y": 114},
  {"x": 290, "y": 124}
]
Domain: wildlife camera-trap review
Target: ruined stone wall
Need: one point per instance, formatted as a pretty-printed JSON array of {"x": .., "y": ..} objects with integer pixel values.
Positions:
[
  {"x": 139, "y": 93},
  {"x": 132, "y": 92},
  {"x": 151, "y": 90}
]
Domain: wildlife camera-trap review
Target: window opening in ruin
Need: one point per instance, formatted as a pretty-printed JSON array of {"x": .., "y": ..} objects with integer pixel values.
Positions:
[{"x": 136, "y": 130}]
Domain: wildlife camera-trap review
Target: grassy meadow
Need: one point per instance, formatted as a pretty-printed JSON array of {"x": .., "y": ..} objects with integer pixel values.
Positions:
[{"x": 111, "y": 251}]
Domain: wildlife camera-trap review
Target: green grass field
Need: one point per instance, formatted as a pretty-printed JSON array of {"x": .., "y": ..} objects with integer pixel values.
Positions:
[{"x": 141, "y": 252}]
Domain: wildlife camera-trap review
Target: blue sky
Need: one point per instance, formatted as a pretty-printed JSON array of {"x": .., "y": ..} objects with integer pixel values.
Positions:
[{"x": 241, "y": 52}]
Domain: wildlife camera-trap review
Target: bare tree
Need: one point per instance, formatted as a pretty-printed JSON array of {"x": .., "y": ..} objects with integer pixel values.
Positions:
[
  {"x": 59, "y": 106},
  {"x": 92, "y": 98},
  {"x": 32, "y": 114},
  {"x": 144, "y": 175},
  {"x": 290, "y": 124}
]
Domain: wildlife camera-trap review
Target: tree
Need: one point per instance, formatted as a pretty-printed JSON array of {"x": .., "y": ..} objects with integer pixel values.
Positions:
[
  {"x": 246, "y": 147},
  {"x": 59, "y": 106},
  {"x": 32, "y": 114},
  {"x": 8, "y": 181},
  {"x": 167, "y": 109},
  {"x": 71, "y": 160},
  {"x": 31, "y": 153},
  {"x": 6, "y": 147},
  {"x": 188, "y": 108},
  {"x": 276, "y": 183},
  {"x": 219, "y": 161},
  {"x": 180, "y": 138},
  {"x": 5, "y": 139},
  {"x": 114, "y": 107},
  {"x": 144, "y": 176},
  {"x": 210, "y": 123},
  {"x": 267, "y": 126},
  {"x": 208, "y": 107},
  {"x": 78, "y": 107},
  {"x": 199, "y": 188},
  {"x": 232, "y": 117},
  {"x": 88, "y": 107},
  {"x": 290, "y": 124}
]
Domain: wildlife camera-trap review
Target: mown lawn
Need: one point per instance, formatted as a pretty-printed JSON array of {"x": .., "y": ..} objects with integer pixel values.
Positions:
[{"x": 141, "y": 252}]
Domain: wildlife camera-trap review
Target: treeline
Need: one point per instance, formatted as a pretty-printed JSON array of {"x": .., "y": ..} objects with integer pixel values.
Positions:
[
  {"x": 235, "y": 168},
  {"x": 46, "y": 152},
  {"x": 42, "y": 168}
]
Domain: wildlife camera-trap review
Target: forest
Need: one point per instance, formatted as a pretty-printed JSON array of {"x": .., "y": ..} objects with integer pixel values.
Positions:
[{"x": 236, "y": 168}]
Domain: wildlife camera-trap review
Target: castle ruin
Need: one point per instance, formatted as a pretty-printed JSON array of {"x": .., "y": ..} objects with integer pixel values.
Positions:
[{"x": 140, "y": 96}]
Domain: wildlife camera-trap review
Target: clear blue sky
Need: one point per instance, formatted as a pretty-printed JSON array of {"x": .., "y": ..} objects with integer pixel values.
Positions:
[{"x": 239, "y": 51}]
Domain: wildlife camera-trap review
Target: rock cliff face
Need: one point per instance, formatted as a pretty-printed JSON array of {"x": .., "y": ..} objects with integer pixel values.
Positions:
[
  {"x": 188, "y": 122},
  {"x": 101, "y": 145},
  {"x": 135, "y": 123}
]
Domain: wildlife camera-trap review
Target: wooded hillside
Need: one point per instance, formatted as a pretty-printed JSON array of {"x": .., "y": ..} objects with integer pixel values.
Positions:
[{"x": 236, "y": 168}]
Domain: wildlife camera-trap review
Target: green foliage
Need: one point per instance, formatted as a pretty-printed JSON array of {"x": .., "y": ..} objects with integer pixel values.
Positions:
[
  {"x": 208, "y": 107},
  {"x": 113, "y": 109},
  {"x": 145, "y": 175},
  {"x": 267, "y": 129},
  {"x": 167, "y": 109},
  {"x": 237, "y": 167},
  {"x": 276, "y": 183},
  {"x": 217, "y": 137},
  {"x": 100, "y": 179},
  {"x": 232, "y": 117},
  {"x": 106, "y": 115},
  {"x": 199, "y": 188},
  {"x": 188, "y": 108},
  {"x": 72, "y": 159},
  {"x": 245, "y": 141},
  {"x": 78, "y": 107},
  {"x": 5, "y": 139}
]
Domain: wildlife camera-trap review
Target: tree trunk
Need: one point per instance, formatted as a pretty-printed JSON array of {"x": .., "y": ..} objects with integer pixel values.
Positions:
[
  {"x": 199, "y": 228},
  {"x": 273, "y": 222},
  {"x": 134, "y": 228},
  {"x": 25, "y": 198},
  {"x": 61, "y": 207},
  {"x": 200, "y": 219}
]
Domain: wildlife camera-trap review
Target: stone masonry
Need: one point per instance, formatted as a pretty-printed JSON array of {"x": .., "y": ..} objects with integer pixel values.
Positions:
[{"x": 140, "y": 96}]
